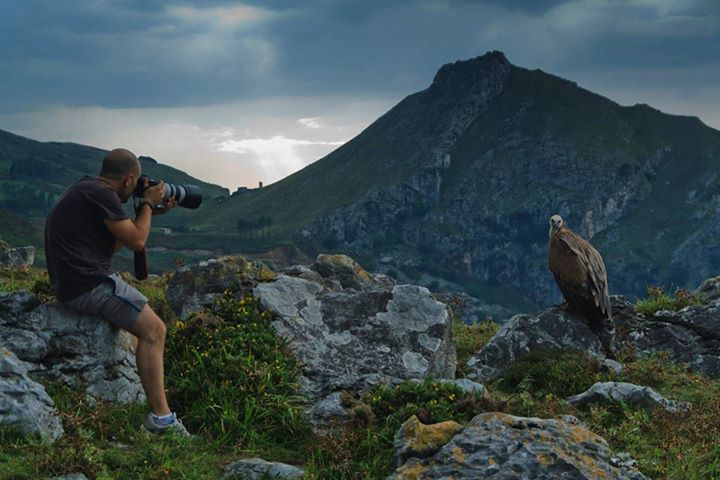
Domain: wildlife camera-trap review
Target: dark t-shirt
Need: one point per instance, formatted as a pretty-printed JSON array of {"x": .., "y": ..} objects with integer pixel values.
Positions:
[{"x": 78, "y": 245}]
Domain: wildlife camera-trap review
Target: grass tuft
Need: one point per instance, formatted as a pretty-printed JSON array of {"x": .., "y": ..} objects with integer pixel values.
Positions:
[{"x": 658, "y": 300}]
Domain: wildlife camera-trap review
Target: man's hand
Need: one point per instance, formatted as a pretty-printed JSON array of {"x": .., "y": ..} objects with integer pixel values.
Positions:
[
  {"x": 165, "y": 207},
  {"x": 155, "y": 193}
]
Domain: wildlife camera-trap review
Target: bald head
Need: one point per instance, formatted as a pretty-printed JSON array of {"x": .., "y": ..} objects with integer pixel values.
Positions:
[{"x": 118, "y": 163}]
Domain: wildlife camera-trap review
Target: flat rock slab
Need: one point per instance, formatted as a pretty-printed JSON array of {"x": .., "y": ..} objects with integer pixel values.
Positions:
[
  {"x": 24, "y": 403},
  {"x": 259, "y": 469},
  {"x": 496, "y": 445},
  {"x": 632, "y": 395},
  {"x": 60, "y": 344}
]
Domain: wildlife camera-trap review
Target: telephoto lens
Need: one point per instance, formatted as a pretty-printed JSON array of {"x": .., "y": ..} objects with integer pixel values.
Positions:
[{"x": 187, "y": 196}]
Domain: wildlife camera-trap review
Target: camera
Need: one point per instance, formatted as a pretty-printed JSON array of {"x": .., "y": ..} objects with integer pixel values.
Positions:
[{"x": 188, "y": 196}]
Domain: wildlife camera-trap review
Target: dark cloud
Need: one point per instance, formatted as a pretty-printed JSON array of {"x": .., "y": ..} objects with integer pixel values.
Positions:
[{"x": 143, "y": 53}]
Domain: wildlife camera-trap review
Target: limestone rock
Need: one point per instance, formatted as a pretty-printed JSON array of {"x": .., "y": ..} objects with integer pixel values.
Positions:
[
  {"x": 195, "y": 287},
  {"x": 690, "y": 336},
  {"x": 415, "y": 439},
  {"x": 60, "y": 344},
  {"x": 259, "y": 469},
  {"x": 555, "y": 327},
  {"x": 496, "y": 445},
  {"x": 24, "y": 403},
  {"x": 632, "y": 395},
  {"x": 17, "y": 257},
  {"x": 329, "y": 408},
  {"x": 351, "y": 339}
]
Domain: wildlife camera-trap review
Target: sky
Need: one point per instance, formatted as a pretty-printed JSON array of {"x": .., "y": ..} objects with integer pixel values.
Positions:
[{"x": 241, "y": 92}]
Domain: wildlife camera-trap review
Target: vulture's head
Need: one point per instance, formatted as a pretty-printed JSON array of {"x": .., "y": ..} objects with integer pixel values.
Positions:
[{"x": 556, "y": 222}]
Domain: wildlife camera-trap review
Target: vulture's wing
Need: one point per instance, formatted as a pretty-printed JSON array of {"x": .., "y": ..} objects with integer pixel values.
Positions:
[{"x": 592, "y": 263}]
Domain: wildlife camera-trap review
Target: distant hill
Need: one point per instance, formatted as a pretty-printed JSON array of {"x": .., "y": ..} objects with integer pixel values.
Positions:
[
  {"x": 33, "y": 174},
  {"x": 454, "y": 187}
]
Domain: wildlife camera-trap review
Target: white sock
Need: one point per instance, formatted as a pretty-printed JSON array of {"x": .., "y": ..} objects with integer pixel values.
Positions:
[{"x": 164, "y": 419}]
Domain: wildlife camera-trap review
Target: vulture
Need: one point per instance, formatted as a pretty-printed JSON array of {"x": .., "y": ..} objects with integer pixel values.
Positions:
[{"x": 580, "y": 274}]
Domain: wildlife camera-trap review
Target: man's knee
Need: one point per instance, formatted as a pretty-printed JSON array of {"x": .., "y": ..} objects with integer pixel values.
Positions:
[{"x": 149, "y": 326}]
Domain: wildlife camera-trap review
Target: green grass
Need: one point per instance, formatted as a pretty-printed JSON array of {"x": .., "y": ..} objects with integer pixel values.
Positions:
[
  {"x": 658, "y": 300},
  {"x": 469, "y": 339}
]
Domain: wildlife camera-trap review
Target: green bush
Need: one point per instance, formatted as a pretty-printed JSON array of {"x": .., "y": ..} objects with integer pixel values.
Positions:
[{"x": 232, "y": 378}]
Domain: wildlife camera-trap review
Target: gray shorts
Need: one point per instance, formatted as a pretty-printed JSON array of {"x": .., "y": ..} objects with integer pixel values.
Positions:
[{"x": 114, "y": 299}]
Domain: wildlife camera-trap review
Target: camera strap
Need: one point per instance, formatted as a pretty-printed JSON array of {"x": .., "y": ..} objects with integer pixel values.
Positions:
[{"x": 141, "y": 272}]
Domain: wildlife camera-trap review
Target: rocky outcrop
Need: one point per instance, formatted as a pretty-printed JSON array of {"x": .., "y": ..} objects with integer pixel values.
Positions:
[
  {"x": 555, "y": 328},
  {"x": 496, "y": 445},
  {"x": 79, "y": 350},
  {"x": 689, "y": 336},
  {"x": 631, "y": 395},
  {"x": 259, "y": 469},
  {"x": 195, "y": 287},
  {"x": 350, "y": 329},
  {"x": 17, "y": 257},
  {"x": 24, "y": 403}
]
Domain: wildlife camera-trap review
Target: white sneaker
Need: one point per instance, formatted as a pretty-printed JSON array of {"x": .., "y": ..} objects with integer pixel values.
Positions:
[{"x": 150, "y": 425}]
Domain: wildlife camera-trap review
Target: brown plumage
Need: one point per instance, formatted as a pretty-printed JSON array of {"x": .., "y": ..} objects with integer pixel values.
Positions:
[{"x": 579, "y": 272}]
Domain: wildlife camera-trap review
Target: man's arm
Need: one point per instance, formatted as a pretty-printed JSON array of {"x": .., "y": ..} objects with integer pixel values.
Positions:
[{"x": 132, "y": 233}]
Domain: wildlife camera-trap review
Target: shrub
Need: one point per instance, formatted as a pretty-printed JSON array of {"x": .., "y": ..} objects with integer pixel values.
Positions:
[
  {"x": 234, "y": 379},
  {"x": 659, "y": 300}
]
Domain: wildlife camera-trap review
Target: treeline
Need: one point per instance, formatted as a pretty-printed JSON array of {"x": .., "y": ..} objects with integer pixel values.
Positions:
[
  {"x": 255, "y": 229},
  {"x": 34, "y": 166},
  {"x": 23, "y": 197}
]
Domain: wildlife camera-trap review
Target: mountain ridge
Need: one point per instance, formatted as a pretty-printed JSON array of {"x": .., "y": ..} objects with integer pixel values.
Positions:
[
  {"x": 452, "y": 188},
  {"x": 473, "y": 211}
]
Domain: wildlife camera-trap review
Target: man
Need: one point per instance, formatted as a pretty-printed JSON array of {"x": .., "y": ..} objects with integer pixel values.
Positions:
[{"x": 84, "y": 228}]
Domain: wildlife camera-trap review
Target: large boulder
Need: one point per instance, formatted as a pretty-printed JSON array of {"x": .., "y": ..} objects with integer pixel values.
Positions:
[
  {"x": 350, "y": 340},
  {"x": 497, "y": 445},
  {"x": 554, "y": 328},
  {"x": 195, "y": 287},
  {"x": 62, "y": 345},
  {"x": 24, "y": 403}
]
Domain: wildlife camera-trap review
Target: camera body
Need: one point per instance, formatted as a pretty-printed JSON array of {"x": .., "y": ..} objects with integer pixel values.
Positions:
[{"x": 188, "y": 196}]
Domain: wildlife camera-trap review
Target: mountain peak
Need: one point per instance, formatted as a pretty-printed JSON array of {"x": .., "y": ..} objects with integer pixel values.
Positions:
[{"x": 465, "y": 73}]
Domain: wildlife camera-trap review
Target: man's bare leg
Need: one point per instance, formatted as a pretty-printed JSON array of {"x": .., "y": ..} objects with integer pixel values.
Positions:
[{"x": 150, "y": 332}]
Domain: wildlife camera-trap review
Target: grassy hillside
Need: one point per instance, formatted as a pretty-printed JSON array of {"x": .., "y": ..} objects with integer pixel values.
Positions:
[{"x": 233, "y": 382}]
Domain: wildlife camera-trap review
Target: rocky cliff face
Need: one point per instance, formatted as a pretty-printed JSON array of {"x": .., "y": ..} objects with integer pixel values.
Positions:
[{"x": 496, "y": 150}]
